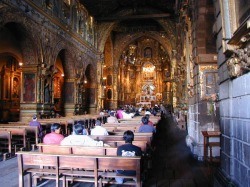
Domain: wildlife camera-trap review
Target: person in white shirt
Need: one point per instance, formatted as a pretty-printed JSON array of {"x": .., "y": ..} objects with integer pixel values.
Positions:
[
  {"x": 112, "y": 118},
  {"x": 77, "y": 138},
  {"x": 99, "y": 130},
  {"x": 127, "y": 115}
]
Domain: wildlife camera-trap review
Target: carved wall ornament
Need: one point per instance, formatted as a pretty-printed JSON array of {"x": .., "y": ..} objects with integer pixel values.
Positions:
[
  {"x": 239, "y": 63},
  {"x": 234, "y": 68},
  {"x": 190, "y": 90}
]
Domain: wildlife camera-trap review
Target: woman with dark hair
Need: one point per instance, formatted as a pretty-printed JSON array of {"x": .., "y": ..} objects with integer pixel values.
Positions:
[
  {"x": 127, "y": 149},
  {"x": 84, "y": 131},
  {"x": 54, "y": 137}
]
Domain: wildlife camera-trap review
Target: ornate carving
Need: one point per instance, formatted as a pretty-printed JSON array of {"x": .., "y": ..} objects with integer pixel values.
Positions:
[
  {"x": 234, "y": 68},
  {"x": 239, "y": 63},
  {"x": 190, "y": 89}
]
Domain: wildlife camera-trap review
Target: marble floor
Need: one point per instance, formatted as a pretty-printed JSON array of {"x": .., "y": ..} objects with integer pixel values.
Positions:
[{"x": 173, "y": 164}]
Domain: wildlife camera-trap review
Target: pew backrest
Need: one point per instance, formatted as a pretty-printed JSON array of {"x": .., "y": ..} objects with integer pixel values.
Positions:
[
  {"x": 61, "y": 161},
  {"x": 55, "y": 149},
  {"x": 77, "y": 150},
  {"x": 17, "y": 132},
  {"x": 105, "y": 138},
  {"x": 6, "y": 137},
  {"x": 81, "y": 150}
]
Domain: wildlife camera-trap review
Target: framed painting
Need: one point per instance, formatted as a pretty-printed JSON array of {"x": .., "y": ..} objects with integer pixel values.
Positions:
[
  {"x": 29, "y": 87},
  {"x": 15, "y": 88}
]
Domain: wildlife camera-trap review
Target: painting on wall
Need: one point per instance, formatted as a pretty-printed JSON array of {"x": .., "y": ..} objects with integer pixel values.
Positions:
[
  {"x": 29, "y": 87},
  {"x": 69, "y": 92},
  {"x": 15, "y": 88},
  {"x": 147, "y": 52}
]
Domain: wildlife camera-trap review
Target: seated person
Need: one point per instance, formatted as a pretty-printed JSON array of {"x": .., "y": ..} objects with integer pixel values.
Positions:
[
  {"x": 146, "y": 127},
  {"x": 147, "y": 112},
  {"x": 99, "y": 130},
  {"x": 102, "y": 113},
  {"x": 127, "y": 149},
  {"x": 149, "y": 122},
  {"x": 77, "y": 138},
  {"x": 119, "y": 114},
  {"x": 84, "y": 131},
  {"x": 127, "y": 115},
  {"x": 54, "y": 137},
  {"x": 35, "y": 123},
  {"x": 112, "y": 118}
]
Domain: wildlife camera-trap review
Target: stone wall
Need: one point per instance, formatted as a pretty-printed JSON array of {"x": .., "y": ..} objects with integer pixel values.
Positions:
[
  {"x": 235, "y": 128},
  {"x": 234, "y": 95}
]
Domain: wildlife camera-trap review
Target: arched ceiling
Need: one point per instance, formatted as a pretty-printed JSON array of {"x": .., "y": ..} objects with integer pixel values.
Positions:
[
  {"x": 105, "y": 10},
  {"x": 130, "y": 17}
]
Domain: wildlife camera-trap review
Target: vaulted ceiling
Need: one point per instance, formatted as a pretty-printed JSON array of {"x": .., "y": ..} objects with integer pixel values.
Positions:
[
  {"x": 132, "y": 15},
  {"x": 105, "y": 9},
  {"x": 128, "y": 18}
]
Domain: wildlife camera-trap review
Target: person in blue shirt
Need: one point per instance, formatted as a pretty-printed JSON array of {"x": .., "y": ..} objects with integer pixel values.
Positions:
[
  {"x": 146, "y": 127},
  {"x": 35, "y": 123}
]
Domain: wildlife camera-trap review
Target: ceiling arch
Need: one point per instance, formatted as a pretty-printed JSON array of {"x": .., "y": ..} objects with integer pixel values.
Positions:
[{"x": 165, "y": 26}]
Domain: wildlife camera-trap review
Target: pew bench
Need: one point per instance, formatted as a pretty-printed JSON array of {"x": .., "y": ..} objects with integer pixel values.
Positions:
[
  {"x": 5, "y": 143},
  {"x": 114, "y": 138},
  {"x": 29, "y": 136},
  {"x": 18, "y": 138},
  {"x": 77, "y": 150},
  {"x": 96, "y": 169}
]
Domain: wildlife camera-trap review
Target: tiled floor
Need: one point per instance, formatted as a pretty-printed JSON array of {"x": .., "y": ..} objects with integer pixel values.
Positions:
[{"x": 172, "y": 163}]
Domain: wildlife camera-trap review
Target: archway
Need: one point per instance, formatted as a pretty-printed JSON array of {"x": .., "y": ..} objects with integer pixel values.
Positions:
[
  {"x": 58, "y": 82},
  {"x": 10, "y": 71},
  {"x": 144, "y": 65}
]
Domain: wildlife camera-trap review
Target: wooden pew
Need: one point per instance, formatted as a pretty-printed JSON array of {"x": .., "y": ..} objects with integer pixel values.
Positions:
[
  {"x": 104, "y": 138},
  {"x": 73, "y": 166},
  {"x": 61, "y": 165},
  {"x": 148, "y": 134},
  {"x": 82, "y": 150},
  {"x": 31, "y": 133},
  {"x": 54, "y": 149},
  {"x": 5, "y": 143},
  {"x": 121, "y": 124},
  {"x": 141, "y": 144},
  {"x": 107, "y": 164},
  {"x": 33, "y": 163},
  {"x": 18, "y": 137},
  {"x": 114, "y": 129}
]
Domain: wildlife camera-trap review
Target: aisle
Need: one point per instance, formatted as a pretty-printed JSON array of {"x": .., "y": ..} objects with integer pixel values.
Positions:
[{"x": 173, "y": 164}]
